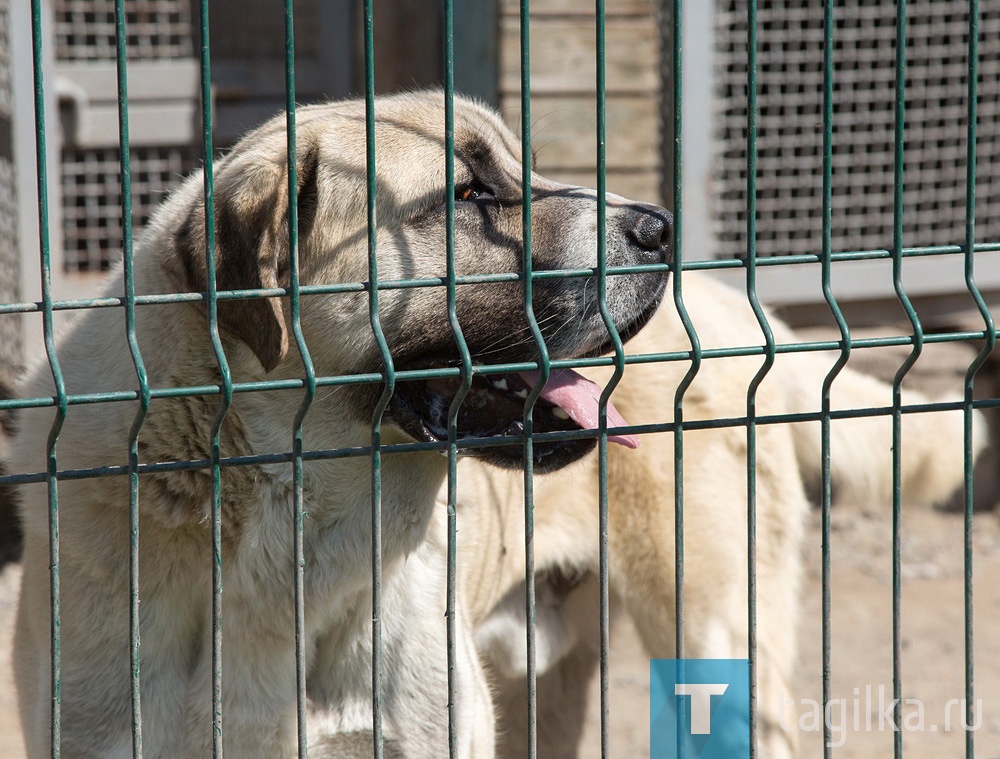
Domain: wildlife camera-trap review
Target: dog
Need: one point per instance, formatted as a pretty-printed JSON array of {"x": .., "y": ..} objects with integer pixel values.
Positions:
[
  {"x": 641, "y": 518},
  {"x": 251, "y": 211}
]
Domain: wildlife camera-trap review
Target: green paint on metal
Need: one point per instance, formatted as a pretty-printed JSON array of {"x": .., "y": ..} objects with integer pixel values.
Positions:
[
  {"x": 692, "y": 335},
  {"x": 295, "y": 308},
  {"x": 466, "y": 375},
  {"x": 51, "y": 460},
  {"x": 544, "y": 370},
  {"x": 140, "y": 369},
  {"x": 388, "y": 386},
  {"x": 769, "y": 356},
  {"x": 972, "y": 99},
  {"x": 619, "y": 364},
  {"x": 917, "y": 346},
  {"x": 826, "y": 498},
  {"x": 226, "y": 386}
]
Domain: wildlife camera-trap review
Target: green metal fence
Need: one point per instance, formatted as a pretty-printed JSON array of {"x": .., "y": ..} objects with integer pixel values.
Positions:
[{"x": 693, "y": 356}]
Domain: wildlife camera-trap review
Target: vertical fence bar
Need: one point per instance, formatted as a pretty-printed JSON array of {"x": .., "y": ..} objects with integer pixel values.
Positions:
[
  {"x": 301, "y": 703},
  {"x": 678, "y": 292},
  {"x": 140, "y": 369},
  {"x": 602, "y": 409},
  {"x": 897, "y": 281},
  {"x": 826, "y": 498},
  {"x": 227, "y": 382},
  {"x": 51, "y": 463},
  {"x": 769, "y": 353},
  {"x": 389, "y": 384},
  {"x": 543, "y": 370},
  {"x": 676, "y": 52},
  {"x": 970, "y": 376},
  {"x": 466, "y": 358}
]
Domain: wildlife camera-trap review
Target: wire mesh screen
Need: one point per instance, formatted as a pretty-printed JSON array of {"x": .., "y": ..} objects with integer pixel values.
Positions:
[
  {"x": 790, "y": 130},
  {"x": 91, "y": 199},
  {"x": 157, "y": 29}
]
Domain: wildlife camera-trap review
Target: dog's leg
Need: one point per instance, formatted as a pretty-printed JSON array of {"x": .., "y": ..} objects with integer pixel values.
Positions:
[
  {"x": 715, "y": 566},
  {"x": 414, "y": 673},
  {"x": 258, "y": 675},
  {"x": 567, "y": 653}
]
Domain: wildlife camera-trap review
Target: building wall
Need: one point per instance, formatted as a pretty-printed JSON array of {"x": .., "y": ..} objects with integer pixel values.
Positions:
[{"x": 564, "y": 84}]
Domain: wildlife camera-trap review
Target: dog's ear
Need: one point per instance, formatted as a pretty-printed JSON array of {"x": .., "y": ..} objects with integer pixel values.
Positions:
[{"x": 251, "y": 248}]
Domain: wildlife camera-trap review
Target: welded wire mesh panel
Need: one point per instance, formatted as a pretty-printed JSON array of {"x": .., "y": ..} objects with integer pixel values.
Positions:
[
  {"x": 790, "y": 61},
  {"x": 91, "y": 199},
  {"x": 157, "y": 29},
  {"x": 814, "y": 149}
]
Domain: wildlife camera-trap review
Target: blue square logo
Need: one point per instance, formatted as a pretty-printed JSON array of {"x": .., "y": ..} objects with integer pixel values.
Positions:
[{"x": 699, "y": 709}]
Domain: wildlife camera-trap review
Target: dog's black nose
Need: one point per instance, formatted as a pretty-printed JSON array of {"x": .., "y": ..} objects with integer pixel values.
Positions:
[{"x": 652, "y": 230}]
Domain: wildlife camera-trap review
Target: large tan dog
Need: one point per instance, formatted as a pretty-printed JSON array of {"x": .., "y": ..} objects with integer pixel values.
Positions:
[
  {"x": 259, "y": 693},
  {"x": 641, "y": 519}
]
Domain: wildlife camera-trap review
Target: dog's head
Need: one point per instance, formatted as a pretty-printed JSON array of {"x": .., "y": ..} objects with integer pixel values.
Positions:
[{"x": 252, "y": 250}]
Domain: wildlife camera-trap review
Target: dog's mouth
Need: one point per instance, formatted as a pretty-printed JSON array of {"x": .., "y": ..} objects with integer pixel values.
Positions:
[{"x": 494, "y": 407}]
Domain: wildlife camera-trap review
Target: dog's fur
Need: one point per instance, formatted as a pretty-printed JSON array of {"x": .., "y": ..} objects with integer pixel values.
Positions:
[
  {"x": 258, "y": 629},
  {"x": 641, "y": 487},
  {"x": 175, "y": 550}
]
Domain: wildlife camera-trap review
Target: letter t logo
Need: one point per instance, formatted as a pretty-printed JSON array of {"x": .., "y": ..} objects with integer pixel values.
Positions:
[{"x": 701, "y": 703}]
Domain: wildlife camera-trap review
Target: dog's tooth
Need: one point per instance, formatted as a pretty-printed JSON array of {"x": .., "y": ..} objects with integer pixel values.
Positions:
[
  {"x": 522, "y": 393},
  {"x": 558, "y": 413},
  {"x": 500, "y": 384}
]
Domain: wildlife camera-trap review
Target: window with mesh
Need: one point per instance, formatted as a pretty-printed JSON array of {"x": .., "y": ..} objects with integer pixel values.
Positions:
[
  {"x": 157, "y": 29},
  {"x": 790, "y": 129},
  {"x": 91, "y": 195}
]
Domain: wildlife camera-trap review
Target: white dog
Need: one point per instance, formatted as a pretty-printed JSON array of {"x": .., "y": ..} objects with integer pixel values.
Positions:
[
  {"x": 641, "y": 494},
  {"x": 251, "y": 223}
]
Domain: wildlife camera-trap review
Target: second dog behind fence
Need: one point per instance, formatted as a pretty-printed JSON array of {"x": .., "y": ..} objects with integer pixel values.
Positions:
[{"x": 641, "y": 520}]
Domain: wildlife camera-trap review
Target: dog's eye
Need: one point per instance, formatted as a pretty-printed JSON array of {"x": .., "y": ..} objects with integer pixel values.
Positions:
[{"x": 473, "y": 191}]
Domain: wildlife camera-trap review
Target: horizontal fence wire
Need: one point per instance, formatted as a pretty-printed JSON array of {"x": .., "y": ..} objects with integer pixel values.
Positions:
[
  {"x": 490, "y": 442},
  {"x": 489, "y": 369},
  {"x": 480, "y": 279}
]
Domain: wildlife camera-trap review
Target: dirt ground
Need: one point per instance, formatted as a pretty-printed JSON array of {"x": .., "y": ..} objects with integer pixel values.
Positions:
[{"x": 932, "y": 631}]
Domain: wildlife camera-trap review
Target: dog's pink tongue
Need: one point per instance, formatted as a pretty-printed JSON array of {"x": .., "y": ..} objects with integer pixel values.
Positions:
[{"x": 579, "y": 397}]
